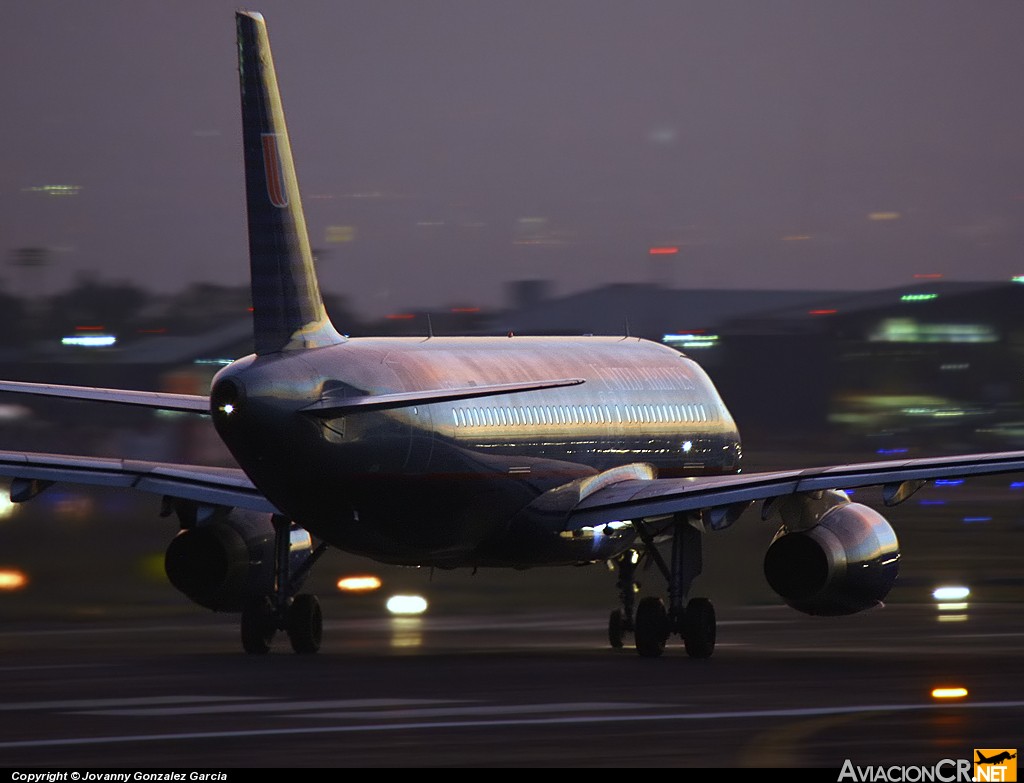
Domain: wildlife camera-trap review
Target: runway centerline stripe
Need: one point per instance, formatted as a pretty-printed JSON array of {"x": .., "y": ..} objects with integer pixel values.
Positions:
[
  {"x": 84, "y": 704},
  {"x": 269, "y": 706},
  {"x": 476, "y": 724}
]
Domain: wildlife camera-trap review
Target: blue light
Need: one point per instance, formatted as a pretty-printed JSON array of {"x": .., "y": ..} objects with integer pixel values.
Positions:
[
  {"x": 977, "y": 519},
  {"x": 931, "y": 502},
  {"x": 948, "y": 482},
  {"x": 891, "y": 451},
  {"x": 1016, "y": 484}
]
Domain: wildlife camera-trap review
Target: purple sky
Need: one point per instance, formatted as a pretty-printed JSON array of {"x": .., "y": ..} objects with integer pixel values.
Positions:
[{"x": 462, "y": 144}]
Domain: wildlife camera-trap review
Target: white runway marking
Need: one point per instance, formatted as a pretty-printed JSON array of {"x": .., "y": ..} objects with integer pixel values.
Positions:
[
  {"x": 85, "y": 704},
  {"x": 580, "y": 720}
]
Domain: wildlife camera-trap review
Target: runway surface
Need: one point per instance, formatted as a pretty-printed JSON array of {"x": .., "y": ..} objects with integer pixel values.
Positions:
[
  {"x": 517, "y": 690},
  {"x": 104, "y": 664}
]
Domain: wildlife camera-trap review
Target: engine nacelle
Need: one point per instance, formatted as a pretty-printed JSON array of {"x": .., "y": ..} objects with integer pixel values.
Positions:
[
  {"x": 844, "y": 564},
  {"x": 222, "y": 563}
]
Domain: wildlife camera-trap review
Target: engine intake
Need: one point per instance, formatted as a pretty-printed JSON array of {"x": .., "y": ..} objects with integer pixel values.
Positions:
[{"x": 846, "y": 563}]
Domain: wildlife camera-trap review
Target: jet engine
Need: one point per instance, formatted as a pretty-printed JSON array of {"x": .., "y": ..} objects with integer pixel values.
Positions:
[
  {"x": 844, "y": 563},
  {"x": 221, "y": 563}
]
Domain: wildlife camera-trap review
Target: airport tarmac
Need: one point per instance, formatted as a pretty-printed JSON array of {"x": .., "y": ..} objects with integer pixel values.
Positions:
[
  {"x": 519, "y": 690},
  {"x": 103, "y": 664}
]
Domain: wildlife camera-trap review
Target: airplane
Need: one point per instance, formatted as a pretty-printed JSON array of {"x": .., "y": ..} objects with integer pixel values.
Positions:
[
  {"x": 469, "y": 452},
  {"x": 996, "y": 759}
]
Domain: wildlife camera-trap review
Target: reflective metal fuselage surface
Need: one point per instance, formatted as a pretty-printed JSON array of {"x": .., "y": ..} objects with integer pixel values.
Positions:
[{"x": 467, "y": 482}]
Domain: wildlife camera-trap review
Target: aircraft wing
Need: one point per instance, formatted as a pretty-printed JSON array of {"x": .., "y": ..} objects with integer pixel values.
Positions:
[
  {"x": 188, "y": 403},
  {"x": 32, "y": 473},
  {"x": 898, "y": 479}
]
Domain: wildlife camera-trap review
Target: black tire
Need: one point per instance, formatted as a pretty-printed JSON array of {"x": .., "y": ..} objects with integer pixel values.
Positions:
[
  {"x": 305, "y": 624},
  {"x": 616, "y": 628},
  {"x": 651, "y": 627},
  {"x": 700, "y": 628},
  {"x": 258, "y": 626}
]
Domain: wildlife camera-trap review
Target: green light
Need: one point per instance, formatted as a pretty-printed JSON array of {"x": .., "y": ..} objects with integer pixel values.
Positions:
[
  {"x": 917, "y": 297},
  {"x": 1017, "y": 279}
]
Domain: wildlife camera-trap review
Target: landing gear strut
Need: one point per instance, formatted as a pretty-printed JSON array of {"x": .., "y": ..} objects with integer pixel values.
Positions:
[
  {"x": 284, "y": 610},
  {"x": 693, "y": 620}
]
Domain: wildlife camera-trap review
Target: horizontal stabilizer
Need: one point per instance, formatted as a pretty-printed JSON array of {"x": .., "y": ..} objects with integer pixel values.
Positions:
[
  {"x": 339, "y": 406},
  {"x": 187, "y": 403}
]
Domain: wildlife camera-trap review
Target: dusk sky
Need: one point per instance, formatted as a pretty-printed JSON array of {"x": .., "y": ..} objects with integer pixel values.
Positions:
[{"x": 447, "y": 147}]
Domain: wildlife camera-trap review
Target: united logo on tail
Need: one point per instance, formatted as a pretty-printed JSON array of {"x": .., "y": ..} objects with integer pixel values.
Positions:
[{"x": 276, "y": 190}]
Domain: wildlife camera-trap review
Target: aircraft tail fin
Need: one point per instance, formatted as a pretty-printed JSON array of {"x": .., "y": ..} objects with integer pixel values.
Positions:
[{"x": 288, "y": 310}]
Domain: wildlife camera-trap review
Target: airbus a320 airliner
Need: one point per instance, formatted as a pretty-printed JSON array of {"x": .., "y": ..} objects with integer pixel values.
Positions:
[{"x": 454, "y": 452}]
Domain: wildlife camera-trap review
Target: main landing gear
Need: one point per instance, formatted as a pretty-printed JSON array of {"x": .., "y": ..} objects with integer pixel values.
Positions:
[
  {"x": 298, "y": 615},
  {"x": 653, "y": 623}
]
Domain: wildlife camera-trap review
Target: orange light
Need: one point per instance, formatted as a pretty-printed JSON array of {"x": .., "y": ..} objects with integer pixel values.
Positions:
[
  {"x": 465, "y": 309},
  {"x": 929, "y": 276},
  {"x": 12, "y": 579},
  {"x": 956, "y": 692},
  {"x": 359, "y": 584},
  {"x": 400, "y": 316},
  {"x": 822, "y": 312},
  {"x": 663, "y": 251}
]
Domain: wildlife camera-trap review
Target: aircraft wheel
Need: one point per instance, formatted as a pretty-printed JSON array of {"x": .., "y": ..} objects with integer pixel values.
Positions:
[
  {"x": 616, "y": 628},
  {"x": 651, "y": 627},
  {"x": 258, "y": 626},
  {"x": 305, "y": 624},
  {"x": 700, "y": 628}
]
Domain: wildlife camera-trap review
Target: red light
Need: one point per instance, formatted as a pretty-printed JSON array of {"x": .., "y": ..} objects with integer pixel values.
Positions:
[
  {"x": 929, "y": 276},
  {"x": 152, "y": 331},
  {"x": 400, "y": 316},
  {"x": 822, "y": 312},
  {"x": 663, "y": 251},
  {"x": 465, "y": 309},
  {"x": 89, "y": 328}
]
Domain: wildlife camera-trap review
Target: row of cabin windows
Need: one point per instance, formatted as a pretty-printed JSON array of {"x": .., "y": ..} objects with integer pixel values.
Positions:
[{"x": 534, "y": 415}]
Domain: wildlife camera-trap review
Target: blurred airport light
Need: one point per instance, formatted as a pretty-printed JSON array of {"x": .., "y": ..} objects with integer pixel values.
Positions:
[
  {"x": 951, "y": 593},
  {"x": 12, "y": 579},
  {"x": 407, "y": 604},
  {"x": 949, "y": 692},
  {"x": 89, "y": 340},
  {"x": 7, "y": 506},
  {"x": 359, "y": 584}
]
